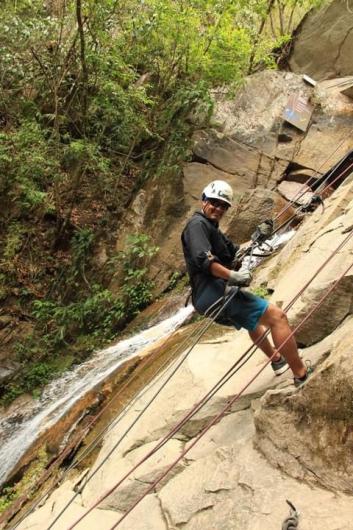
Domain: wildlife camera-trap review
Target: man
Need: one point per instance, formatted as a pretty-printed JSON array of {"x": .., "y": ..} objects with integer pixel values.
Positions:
[{"x": 209, "y": 255}]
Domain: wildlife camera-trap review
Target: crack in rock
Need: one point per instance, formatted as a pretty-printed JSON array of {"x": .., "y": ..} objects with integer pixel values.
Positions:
[
  {"x": 308, "y": 247},
  {"x": 203, "y": 509},
  {"x": 217, "y": 490},
  {"x": 135, "y": 445},
  {"x": 164, "y": 514},
  {"x": 340, "y": 48},
  {"x": 246, "y": 487}
]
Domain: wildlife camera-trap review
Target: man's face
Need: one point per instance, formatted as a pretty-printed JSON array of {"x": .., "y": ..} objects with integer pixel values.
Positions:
[{"x": 214, "y": 209}]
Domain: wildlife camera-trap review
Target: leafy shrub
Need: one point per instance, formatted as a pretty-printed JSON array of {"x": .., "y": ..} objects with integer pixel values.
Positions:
[
  {"x": 99, "y": 313},
  {"x": 13, "y": 241},
  {"x": 28, "y": 165},
  {"x": 37, "y": 375},
  {"x": 7, "y": 495}
]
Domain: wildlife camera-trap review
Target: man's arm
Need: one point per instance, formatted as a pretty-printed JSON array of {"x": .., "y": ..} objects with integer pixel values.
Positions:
[
  {"x": 219, "y": 271},
  {"x": 197, "y": 242}
]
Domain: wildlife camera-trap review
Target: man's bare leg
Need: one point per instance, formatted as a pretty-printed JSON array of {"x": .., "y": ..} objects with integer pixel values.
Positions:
[
  {"x": 276, "y": 320},
  {"x": 263, "y": 343}
]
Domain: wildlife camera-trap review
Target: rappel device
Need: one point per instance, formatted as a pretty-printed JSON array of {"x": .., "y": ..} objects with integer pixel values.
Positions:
[{"x": 312, "y": 204}]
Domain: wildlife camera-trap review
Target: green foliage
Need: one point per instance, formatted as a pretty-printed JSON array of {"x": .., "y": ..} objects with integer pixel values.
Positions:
[
  {"x": 138, "y": 251},
  {"x": 93, "y": 319},
  {"x": 11, "y": 392},
  {"x": 100, "y": 313},
  {"x": 178, "y": 283},
  {"x": 37, "y": 375},
  {"x": 7, "y": 496},
  {"x": 3, "y": 287},
  {"x": 28, "y": 165},
  {"x": 146, "y": 65},
  {"x": 9, "y": 493},
  {"x": 13, "y": 241},
  {"x": 81, "y": 244},
  {"x": 93, "y": 314},
  {"x": 33, "y": 377},
  {"x": 261, "y": 291},
  {"x": 40, "y": 366}
]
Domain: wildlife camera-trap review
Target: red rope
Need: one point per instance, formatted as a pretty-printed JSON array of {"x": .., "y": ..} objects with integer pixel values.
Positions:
[
  {"x": 170, "y": 434},
  {"x": 226, "y": 408},
  {"x": 287, "y": 222},
  {"x": 303, "y": 188}
]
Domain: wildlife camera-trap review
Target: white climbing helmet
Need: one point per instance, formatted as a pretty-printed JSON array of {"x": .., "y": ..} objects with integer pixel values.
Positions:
[{"x": 218, "y": 189}]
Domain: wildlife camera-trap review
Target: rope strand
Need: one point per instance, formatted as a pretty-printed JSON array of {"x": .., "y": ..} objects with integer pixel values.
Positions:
[
  {"x": 225, "y": 378},
  {"x": 223, "y": 411}
]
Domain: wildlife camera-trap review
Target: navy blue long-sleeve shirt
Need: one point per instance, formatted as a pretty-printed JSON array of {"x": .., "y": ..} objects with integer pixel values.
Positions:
[{"x": 204, "y": 243}]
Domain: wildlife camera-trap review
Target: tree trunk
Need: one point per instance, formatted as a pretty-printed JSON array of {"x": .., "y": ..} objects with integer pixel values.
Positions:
[{"x": 257, "y": 38}]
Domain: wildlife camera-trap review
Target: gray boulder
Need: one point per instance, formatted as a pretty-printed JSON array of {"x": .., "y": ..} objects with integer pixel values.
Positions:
[{"x": 324, "y": 42}]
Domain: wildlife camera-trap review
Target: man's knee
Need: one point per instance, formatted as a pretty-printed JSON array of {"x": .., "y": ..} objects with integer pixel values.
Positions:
[{"x": 274, "y": 315}]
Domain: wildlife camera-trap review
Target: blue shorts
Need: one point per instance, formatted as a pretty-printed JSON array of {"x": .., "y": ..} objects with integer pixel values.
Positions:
[{"x": 243, "y": 311}]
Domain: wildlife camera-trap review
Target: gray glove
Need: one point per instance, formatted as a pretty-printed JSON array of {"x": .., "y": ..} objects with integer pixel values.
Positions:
[{"x": 241, "y": 278}]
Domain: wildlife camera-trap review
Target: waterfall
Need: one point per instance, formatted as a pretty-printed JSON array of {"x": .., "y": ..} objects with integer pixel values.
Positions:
[{"x": 18, "y": 434}]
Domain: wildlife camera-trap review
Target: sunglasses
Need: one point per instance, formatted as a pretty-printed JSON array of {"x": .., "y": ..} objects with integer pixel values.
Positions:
[{"x": 218, "y": 204}]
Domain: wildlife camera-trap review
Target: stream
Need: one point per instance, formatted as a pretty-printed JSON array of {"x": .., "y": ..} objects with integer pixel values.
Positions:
[{"x": 20, "y": 430}]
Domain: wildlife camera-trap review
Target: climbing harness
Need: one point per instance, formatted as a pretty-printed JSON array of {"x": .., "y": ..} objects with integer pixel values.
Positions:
[{"x": 292, "y": 521}]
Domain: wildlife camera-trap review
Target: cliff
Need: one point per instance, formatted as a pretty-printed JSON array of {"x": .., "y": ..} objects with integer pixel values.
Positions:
[{"x": 275, "y": 442}]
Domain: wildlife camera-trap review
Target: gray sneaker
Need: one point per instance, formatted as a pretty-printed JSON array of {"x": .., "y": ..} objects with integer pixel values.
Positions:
[
  {"x": 280, "y": 366},
  {"x": 299, "y": 381}
]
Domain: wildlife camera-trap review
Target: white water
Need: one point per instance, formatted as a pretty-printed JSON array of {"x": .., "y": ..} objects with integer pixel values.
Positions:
[{"x": 60, "y": 395}]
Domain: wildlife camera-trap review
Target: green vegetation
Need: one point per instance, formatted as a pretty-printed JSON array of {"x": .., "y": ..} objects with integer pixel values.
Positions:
[
  {"x": 261, "y": 291},
  {"x": 10, "y": 493},
  {"x": 96, "y": 98},
  {"x": 83, "y": 324},
  {"x": 7, "y": 496}
]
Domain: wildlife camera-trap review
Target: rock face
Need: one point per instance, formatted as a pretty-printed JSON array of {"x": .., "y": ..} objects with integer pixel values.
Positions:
[
  {"x": 253, "y": 207},
  {"x": 324, "y": 42},
  {"x": 249, "y": 164},
  {"x": 312, "y": 245},
  {"x": 309, "y": 435},
  {"x": 254, "y": 115},
  {"x": 275, "y": 442},
  {"x": 253, "y": 149},
  {"x": 295, "y": 192},
  {"x": 222, "y": 482}
]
